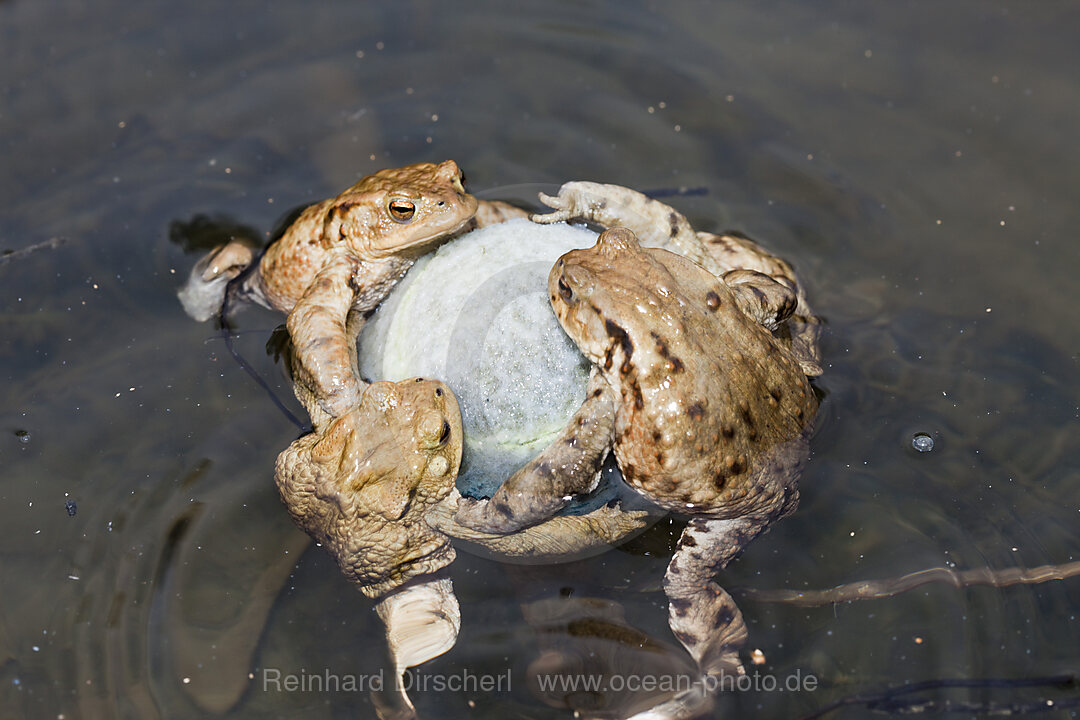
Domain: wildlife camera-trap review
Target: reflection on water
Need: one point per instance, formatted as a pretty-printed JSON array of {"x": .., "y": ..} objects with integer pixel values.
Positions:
[{"x": 917, "y": 167}]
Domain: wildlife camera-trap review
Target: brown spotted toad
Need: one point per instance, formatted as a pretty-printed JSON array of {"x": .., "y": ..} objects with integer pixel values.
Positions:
[{"x": 705, "y": 410}]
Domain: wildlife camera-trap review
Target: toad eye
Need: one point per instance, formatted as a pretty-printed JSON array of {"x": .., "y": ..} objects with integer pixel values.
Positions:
[
  {"x": 565, "y": 290},
  {"x": 445, "y": 437},
  {"x": 402, "y": 210}
]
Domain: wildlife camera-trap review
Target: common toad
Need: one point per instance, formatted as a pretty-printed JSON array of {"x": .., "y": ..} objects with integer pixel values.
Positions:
[
  {"x": 705, "y": 411},
  {"x": 336, "y": 262}
]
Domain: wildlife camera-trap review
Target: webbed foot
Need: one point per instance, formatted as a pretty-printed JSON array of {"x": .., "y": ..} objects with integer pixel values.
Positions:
[
  {"x": 422, "y": 622},
  {"x": 204, "y": 291}
]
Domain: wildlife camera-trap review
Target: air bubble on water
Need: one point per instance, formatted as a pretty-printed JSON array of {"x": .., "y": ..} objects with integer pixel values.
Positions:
[
  {"x": 23, "y": 435},
  {"x": 922, "y": 442}
]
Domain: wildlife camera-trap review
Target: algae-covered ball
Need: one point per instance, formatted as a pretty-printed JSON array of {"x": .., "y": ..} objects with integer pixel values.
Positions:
[{"x": 475, "y": 314}]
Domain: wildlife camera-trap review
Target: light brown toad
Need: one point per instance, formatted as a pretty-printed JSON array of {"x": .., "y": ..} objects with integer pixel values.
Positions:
[
  {"x": 766, "y": 291},
  {"x": 701, "y": 388},
  {"x": 336, "y": 262},
  {"x": 710, "y": 410},
  {"x": 704, "y": 409},
  {"x": 362, "y": 483}
]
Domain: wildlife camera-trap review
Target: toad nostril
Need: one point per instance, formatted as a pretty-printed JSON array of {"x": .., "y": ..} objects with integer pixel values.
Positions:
[{"x": 565, "y": 290}]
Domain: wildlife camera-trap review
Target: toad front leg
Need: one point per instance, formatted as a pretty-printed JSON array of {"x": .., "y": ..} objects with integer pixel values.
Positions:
[
  {"x": 325, "y": 378},
  {"x": 324, "y": 324},
  {"x": 654, "y": 223},
  {"x": 569, "y": 466}
]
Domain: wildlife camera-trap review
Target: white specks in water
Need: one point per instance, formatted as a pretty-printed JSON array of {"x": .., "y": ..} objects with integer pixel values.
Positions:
[{"x": 922, "y": 442}]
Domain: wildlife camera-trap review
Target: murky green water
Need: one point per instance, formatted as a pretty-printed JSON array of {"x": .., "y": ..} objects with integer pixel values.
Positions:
[{"x": 918, "y": 162}]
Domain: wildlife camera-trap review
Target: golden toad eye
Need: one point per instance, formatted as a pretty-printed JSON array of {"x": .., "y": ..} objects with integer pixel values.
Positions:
[{"x": 402, "y": 210}]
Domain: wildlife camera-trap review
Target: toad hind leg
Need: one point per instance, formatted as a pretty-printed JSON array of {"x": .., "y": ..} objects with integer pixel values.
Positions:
[{"x": 701, "y": 614}]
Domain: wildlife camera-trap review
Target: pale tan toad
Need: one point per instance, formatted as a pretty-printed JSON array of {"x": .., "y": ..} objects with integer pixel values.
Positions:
[
  {"x": 375, "y": 487},
  {"x": 362, "y": 482},
  {"x": 337, "y": 261}
]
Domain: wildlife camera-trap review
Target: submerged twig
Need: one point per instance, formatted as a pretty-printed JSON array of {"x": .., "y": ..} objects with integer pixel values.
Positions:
[
  {"x": 892, "y": 700},
  {"x": 11, "y": 255},
  {"x": 887, "y": 587},
  {"x": 226, "y": 333}
]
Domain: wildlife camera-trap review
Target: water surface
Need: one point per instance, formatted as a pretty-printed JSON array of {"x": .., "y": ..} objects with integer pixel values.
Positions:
[{"x": 917, "y": 162}]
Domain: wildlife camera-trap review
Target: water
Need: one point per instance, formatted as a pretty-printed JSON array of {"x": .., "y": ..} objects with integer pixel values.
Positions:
[{"x": 917, "y": 162}]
